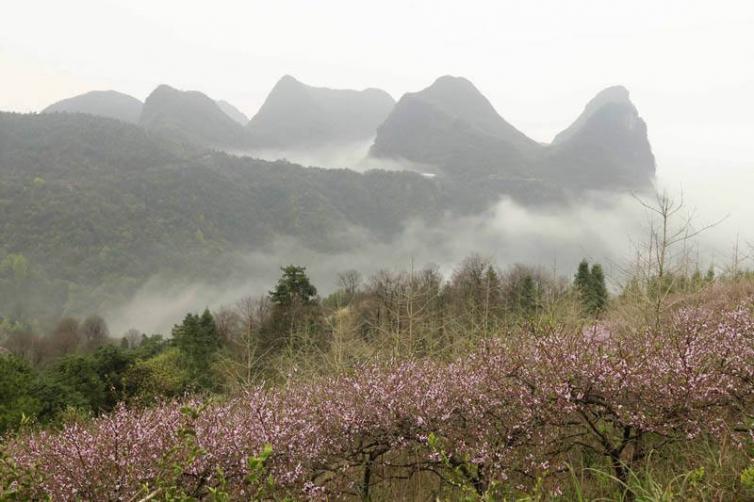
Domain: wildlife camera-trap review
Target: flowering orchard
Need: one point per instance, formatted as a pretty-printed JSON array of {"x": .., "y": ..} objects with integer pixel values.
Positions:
[{"x": 496, "y": 421}]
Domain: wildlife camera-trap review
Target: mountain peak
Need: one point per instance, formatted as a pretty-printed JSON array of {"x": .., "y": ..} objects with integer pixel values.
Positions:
[
  {"x": 616, "y": 95},
  {"x": 297, "y": 114},
  {"x": 607, "y": 143},
  {"x": 190, "y": 117},
  {"x": 453, "y": 126},
  {"x": 453, "y": 82},
  {"x": 108, "y": 103}
]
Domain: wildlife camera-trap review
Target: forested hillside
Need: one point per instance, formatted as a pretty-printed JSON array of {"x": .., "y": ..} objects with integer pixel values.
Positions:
[{"x": 92, "y": 206}]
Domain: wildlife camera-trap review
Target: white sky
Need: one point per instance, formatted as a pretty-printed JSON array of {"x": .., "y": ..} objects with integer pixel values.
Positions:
[{"x": 688, "y": 64}]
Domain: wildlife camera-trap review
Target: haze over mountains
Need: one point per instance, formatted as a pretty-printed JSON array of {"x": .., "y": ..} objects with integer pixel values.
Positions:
[
  {"x": 100, "y": 191},
  {"x": 449, "y": 128},
  {"x": 295, "y": 114},
  {"x": 451, "y": 125},
  {"x": 111, "y": 104},
  {"x": 190, "y": 117}
]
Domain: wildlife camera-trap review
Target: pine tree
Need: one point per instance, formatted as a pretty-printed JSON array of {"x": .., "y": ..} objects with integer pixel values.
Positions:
[
  {"x": 528, "y": 295},
  {"x": 591, "y": 288},
  {"x": 198, "y": 341},
  {"x": 293, "y": 288},
  {"x": 295, "y": 308},
  {"x": 597, "y": 290},
  {"x": 581, "y": 281}
]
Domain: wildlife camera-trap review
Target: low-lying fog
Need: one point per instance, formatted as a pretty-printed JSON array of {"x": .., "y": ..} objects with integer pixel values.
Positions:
[
  {"x": 353, "y": 155},
  {"x": 603, "y": 227}
]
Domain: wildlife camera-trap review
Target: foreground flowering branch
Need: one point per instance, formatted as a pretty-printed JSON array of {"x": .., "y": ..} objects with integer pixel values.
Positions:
[{"x": 499, "y": 419}]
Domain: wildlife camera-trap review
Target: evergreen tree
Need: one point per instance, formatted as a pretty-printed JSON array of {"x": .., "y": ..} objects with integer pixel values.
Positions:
[
  {"x": 295, "y": 308},
  {"x": 198, "y": 341},
  {"x": 591, "y": 288},
  {"x": 293, "y": 288},
  {"x": 528, "y": 295},
  {"x": 491, "y": 295},
  {"x": 597, "y": 290},
  {"x": 581, "y": 281}
]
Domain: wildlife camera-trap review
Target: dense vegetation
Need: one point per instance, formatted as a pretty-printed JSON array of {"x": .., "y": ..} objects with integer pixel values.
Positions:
[
  {"x": 92, "y": 207},
  {"x": 488, "y": 383}
]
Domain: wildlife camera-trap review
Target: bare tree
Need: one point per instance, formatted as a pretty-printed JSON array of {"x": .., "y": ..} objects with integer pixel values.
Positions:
[
  {"x": 94, "y": 333},
  {"x": 240, "y": 328},
  {"x": 663, "y": 259}
]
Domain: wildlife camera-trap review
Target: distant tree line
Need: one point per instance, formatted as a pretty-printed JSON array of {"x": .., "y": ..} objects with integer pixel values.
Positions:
[{"x": 78, "y": 367}]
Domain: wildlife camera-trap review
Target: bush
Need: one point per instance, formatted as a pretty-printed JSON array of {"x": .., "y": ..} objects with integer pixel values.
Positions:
[{"x": 502, "y": 420}]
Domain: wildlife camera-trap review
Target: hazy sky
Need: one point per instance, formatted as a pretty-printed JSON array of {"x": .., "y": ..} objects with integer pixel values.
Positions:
[{"x": 688, "y": 64}]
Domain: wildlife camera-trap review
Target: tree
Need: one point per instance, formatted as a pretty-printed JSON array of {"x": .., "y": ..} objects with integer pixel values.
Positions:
[
  {"x": 162, "y": 376},
  {"x": 16, "y": 400},
  {"x": 293, "y": 288},
  {"x": 243, "y": 353},
  {"x": 295, "y": 307},
  {"x": 597, "y": 290},
  {"x": 582, "y": 280},
  {"x": 349, "y": 281},
  {"x": 64, "y": 339},
  {"x": 665, "y": 258},
  {"x": 528, "y": 295},
  {"x": 591, "y": 288},
  {"x": 198, "y": 341},
  {"x": 94, "y": 333}
]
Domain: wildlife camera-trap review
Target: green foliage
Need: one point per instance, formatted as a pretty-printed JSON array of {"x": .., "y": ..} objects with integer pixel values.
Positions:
[
  {"x": 258, "y": 477},
  {"x": 463, "y": 475},
  {"x": 198, "y": 342},
  {"x": 86, "y": 384},
  {"x": 15, "y": 483},
  {"x": 17, "y": 402},
  {"x": 118, "y": 205},
  {"x": 161, "y": 376},
  {"x": 747, "y": 478},
  {"x": 528, "y": 295},
  {"x": 591, "y": 288},
  {"x": 293, "y": 288},
  {"x": 598, "y": 290}
]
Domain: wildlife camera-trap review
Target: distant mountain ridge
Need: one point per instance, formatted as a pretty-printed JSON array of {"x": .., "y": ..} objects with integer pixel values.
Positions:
[
  {"x": 450, "y": 125},
  {"x": 130, "y": 200},
  {"x": 190, "y": 117},
  {"x": 111, "y": 104},
  {"x": 233, "y": 112},
  {"x": 606, "y": 146},
  {"x": 295, "y": 114}
]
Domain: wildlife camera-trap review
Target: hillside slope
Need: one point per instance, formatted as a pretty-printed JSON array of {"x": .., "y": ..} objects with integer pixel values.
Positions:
[{"x": 96, "y": 204}]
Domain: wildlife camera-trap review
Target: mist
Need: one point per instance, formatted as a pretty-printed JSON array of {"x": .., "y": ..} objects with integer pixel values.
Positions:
[
  {"x": 602, "y": 227},
  {"x": 351, "y": 155}
]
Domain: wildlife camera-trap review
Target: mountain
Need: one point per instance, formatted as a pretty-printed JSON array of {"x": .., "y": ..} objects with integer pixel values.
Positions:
[
  {"x": 605, "y": 147},
  {"x": 454, "y": 130},
  {"x": 111, "y": 104},
  {"x": 190, "y": 117},
  {"x": 233, "y": 112},
  {"x": 96, "y": 206},
  {"x": 452, "y": 127},
  {"x": 295, "y": 115}
]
